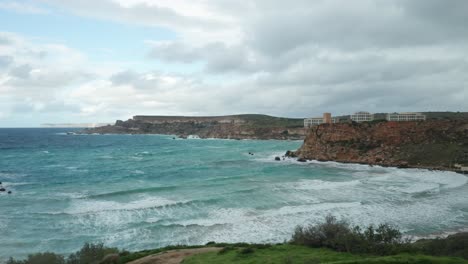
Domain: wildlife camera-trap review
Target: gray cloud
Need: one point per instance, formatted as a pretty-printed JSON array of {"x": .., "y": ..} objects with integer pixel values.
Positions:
[
  {"x": 5, "y": 61},
  {"x": 21, "y": 72},
  {"x": 218, "y": 57},
  {"x": 4, "y": 40},
  {"x": 136, "y": 80}
]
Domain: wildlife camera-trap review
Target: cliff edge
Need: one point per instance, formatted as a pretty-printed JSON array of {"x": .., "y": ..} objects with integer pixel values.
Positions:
[{"x": 435, "y": 144}]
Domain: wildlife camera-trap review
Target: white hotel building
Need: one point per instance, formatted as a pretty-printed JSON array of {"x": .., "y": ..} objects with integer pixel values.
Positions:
[
  {"x": 399, "y": 117},
  {"x": 315, "y": 121},
  {"x": 362, "y": 117}
]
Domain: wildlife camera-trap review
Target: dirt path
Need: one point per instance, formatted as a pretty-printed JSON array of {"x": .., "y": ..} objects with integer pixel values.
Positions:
[{"x": 173, "y": 256}]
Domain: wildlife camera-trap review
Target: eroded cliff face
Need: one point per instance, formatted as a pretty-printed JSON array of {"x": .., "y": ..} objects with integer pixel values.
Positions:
[
  {"x": 235, "y": 129},
  {"x": 429, "y": 144}
]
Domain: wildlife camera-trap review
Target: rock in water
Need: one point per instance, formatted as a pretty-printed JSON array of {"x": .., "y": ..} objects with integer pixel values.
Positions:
[
  {"x": 2, "y": 189},
  {"x": 277, "y": 158},
  {"x": 302, "y": 160}
]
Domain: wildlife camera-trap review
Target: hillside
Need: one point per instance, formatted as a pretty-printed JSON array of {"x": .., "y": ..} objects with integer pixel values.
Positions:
[
  {"x": 229, "y": 127},
  {"x": 436, "y": 144}
]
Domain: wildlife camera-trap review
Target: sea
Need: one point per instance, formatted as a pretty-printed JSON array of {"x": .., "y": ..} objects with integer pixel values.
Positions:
[{"x": 140, "y": 192}]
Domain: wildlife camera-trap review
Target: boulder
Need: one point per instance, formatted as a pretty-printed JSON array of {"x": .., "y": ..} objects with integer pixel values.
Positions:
[
  {"x": 2, "y": 189},
  {"x": 277, "y": 158},
  {"x": 301, "y": 160}
]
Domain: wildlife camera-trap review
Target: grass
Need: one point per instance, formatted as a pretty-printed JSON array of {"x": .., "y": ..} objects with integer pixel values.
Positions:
[
  {"x": 290, "y": 254},
  {"x": 265, "y": 121}
]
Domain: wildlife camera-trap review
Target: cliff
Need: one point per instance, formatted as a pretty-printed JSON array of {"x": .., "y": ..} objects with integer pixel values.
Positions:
[
  {"x": 228, "y": 127},
  {"x": 437, "y": 144}
]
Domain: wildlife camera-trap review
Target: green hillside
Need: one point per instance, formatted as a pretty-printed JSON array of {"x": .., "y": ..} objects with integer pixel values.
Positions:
[{"x": 290, "y": 254}]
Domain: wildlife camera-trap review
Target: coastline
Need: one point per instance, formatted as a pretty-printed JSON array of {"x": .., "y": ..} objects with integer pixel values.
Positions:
[{"x": 396, "y": 166}]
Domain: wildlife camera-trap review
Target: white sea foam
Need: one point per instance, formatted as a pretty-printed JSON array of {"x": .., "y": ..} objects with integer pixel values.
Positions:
[
  {"x": 306, "y": 184},
  {"x": 97, "y": 206}
]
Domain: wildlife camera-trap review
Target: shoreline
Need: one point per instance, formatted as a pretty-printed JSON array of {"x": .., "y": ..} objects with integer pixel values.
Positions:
[{"x": 396, "y": 166}]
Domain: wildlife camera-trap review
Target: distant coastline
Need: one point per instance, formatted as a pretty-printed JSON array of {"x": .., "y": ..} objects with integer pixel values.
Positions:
[{"x": 238, "y": 127}]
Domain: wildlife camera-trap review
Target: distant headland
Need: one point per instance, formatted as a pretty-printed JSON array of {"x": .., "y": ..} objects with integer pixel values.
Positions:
[{"x": 249, "y": 126}]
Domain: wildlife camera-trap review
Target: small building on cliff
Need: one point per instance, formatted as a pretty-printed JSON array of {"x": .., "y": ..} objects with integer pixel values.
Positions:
[
  {"x": 325, "y": 119},
  {"x": 362, "y": 117},
  {"x": 401, "y": 117}
]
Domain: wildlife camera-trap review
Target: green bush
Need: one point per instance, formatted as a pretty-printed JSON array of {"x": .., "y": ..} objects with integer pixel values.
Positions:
[
  {"x": 40, "y": 258},
  {"x": 340, "y": 236},
  {"x": 454, "y": 245},
  {"x": 90, "y": 254},
  {"x": 247, "y": 250}
]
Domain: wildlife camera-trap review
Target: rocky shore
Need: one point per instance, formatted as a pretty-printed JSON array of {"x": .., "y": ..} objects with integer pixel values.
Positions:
[{"x": 434, "y": 144}]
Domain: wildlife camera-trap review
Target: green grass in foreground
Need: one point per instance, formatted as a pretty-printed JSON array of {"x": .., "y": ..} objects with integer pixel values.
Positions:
[{"x": 291, "y": 254}]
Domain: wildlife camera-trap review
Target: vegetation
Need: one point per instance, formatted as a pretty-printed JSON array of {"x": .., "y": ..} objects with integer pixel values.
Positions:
[
  {"x": 265, "y": 121},
  {"x": 295, "y": 254},
  {"x": 331, "y": 241},
  {"x": 340, "y": 236},
  {"x": 88, "y": 254}
]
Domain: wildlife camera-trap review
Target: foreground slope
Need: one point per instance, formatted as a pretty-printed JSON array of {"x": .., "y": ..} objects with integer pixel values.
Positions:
[{"x": 281, "y": 254}]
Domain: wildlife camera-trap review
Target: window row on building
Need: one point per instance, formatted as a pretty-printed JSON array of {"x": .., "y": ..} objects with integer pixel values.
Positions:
[
  {"x": 364, "y": 117},
  {"x": 399, "y": 117}
]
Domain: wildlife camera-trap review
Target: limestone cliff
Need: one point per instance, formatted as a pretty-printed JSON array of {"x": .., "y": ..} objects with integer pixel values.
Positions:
[
  {"x": 429, "y": 144},
  {"x": 227, "y": 127}
]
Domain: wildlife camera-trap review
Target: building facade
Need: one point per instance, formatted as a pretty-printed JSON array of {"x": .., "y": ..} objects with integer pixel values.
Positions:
[
  {"x": 315, "y": 121},
  {"x": 362, "y": 117},
  {"x": 401, "y": 117}
]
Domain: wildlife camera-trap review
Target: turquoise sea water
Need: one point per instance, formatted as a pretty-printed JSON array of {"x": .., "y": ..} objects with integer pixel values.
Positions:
[{"x": 147, "y": 191}]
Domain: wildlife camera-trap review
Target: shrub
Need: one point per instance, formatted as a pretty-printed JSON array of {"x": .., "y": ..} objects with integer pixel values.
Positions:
[
  {"x": 226, "y": 249},
  {"x": 338, "y": 235},
  {"x": 40, "y": 258},
  {"x": 247, "y": 250},
  {"x": 90, "y": 254},
  {"x": 453, "y": 245}
]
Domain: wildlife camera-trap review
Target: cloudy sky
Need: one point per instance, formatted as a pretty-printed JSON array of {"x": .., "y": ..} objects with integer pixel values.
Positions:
[{"x": 101, "y": 60}]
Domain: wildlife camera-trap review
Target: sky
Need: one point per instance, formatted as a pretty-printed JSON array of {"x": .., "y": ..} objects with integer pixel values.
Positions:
[{"x": 64, "y": 61}]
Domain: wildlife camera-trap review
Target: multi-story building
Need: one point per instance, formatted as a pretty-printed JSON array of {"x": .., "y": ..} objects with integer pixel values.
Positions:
[
  {"x": 399, "y": 117},
  {"x": 362, "y": 117},
  {"x": 314, "y": 121}
]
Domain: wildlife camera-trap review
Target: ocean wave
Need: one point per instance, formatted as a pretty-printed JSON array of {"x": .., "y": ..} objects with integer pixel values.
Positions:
[
  {"x": 12, "y": 184},
  {"x": 10, "y": 175},
  {"x": 306, "y": 184},
  {"x": 413, "y": 181},
  {"x": 96, "y": 206},
  {"x": 132, "y": 191}
]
